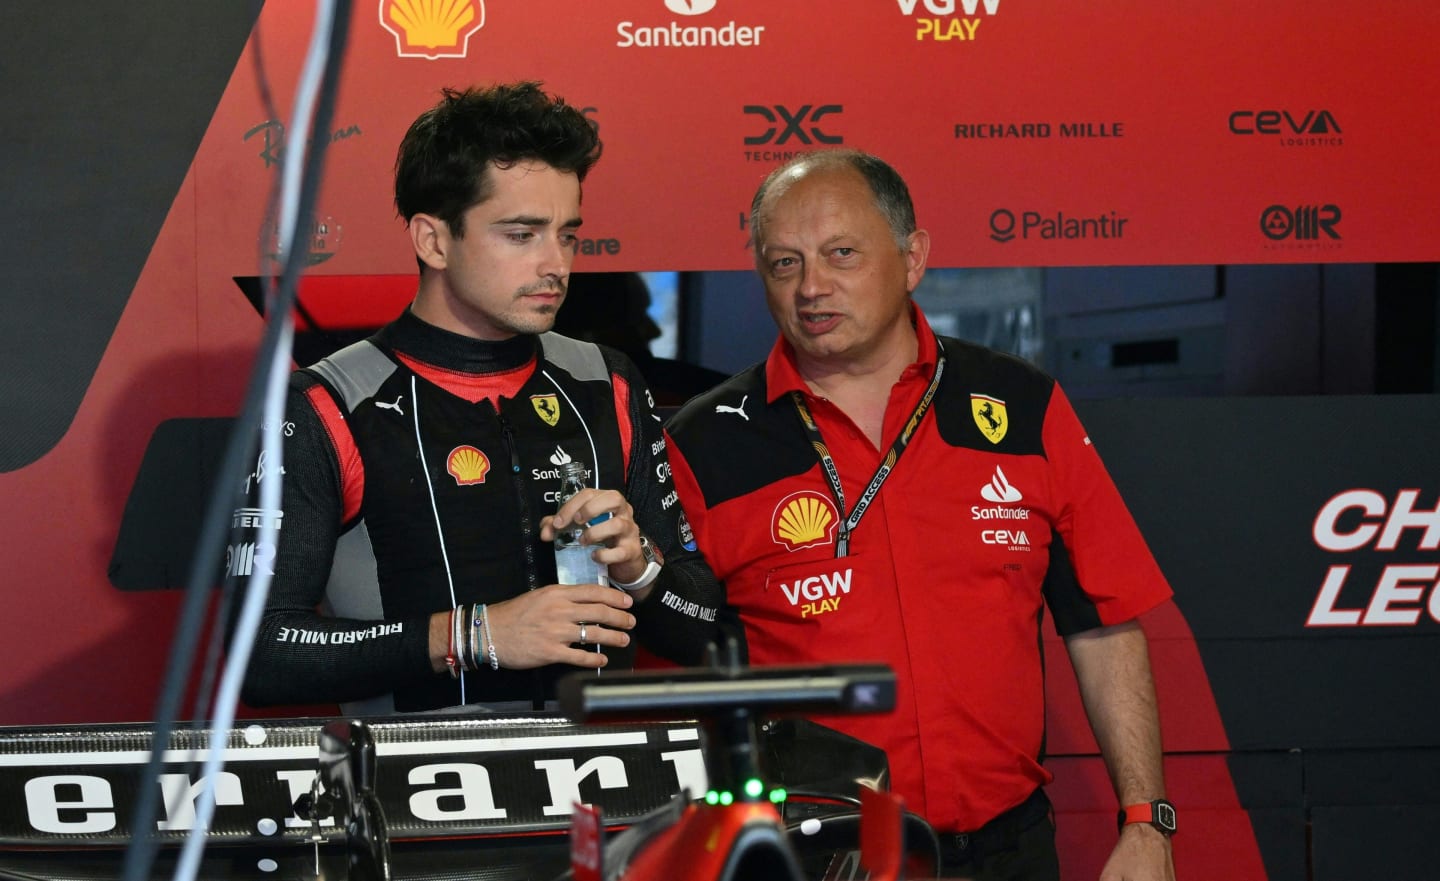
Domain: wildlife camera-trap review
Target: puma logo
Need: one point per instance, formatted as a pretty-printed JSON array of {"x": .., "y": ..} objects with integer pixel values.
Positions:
[
  {"x": 395, "y": 406},
  {"x": 738, "y": 411}
]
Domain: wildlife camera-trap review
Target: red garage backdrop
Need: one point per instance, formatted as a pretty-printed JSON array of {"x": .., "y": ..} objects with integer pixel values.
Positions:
[
  {"x": 1035, "y": 133},
  {"x": 1299, "y": 699}
]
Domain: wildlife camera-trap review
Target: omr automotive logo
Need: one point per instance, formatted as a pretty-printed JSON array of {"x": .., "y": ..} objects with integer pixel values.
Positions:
[
  {"x": 1007, "y": 225},
  {"x": 432, "y": 28},
  {"x": 777, "y": 125},
  {"x": 932, "y": 26},
  {"x": 674, "y": 34},
  {"x": 1309, "y": 128},
  {"x": 1301, "y": 226},
  {"x": 246, "y": 558}
]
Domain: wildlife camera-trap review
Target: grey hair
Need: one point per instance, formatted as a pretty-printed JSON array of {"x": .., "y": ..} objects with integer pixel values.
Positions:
[{"x": 892, "y": 197}]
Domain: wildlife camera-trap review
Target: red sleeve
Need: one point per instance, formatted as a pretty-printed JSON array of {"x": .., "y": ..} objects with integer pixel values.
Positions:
[
  {"x": 1112, "y": 562},
  {"x": 621, "y": 387},
  {"x": 352, "y": 470}
]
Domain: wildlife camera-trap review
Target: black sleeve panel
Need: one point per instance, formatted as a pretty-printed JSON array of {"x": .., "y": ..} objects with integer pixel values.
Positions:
[
  {"x": 677, "y": 619},
  {"x": 301, "y": 656},
  {"x": 1072, "y": 609},
  {"x": 728, "y": 464}
]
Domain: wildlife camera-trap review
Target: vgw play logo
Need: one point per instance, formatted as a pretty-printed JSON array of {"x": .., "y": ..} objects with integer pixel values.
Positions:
[{"x": 942, "y": 23}]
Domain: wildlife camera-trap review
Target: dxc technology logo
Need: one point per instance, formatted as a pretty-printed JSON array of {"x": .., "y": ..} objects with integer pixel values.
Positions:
[
  {"x": 794, "y": 123},
  {"x": 800, "y": 130}
]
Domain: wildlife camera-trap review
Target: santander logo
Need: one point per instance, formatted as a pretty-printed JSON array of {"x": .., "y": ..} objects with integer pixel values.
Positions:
[
  {"x": 999, "y": 490},
  {"x": 690, "y": 7}
]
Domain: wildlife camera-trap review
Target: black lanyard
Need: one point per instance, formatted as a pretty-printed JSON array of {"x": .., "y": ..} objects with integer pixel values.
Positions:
[{"x": 832, "y": 474}]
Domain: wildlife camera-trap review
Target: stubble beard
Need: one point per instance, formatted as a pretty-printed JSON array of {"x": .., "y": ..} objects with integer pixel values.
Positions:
[{"x": 538, "y": 319}]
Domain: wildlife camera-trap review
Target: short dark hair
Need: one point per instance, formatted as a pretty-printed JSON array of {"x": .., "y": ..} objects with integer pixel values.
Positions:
[
  {"x": 441, "y": 164},
  {"x": 892, "y": 197}
]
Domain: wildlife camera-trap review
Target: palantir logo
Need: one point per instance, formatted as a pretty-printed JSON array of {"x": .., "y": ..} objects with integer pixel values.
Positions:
[
  {"x": 1002, "y": 225},
  {"x": 1055, "y": 225},
  {"x": 432, "y": 28},
  {"x": 999, "y": 489},
  {"x": 690, "y": 7},
  {"x": 1302, "y": 223}
]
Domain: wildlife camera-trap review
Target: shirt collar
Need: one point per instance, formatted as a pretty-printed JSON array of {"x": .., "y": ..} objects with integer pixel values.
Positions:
[
  {"x": 412, "y": 336},
  {"x": 782, "y": 376}
]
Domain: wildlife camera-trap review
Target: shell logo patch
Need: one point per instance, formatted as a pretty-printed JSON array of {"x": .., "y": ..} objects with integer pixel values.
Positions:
[
  {"x": 547, "y": 407},
  {"x": 990, "y": 417},
  {"x": 432, "y": 28},
  {"x": 467, "y": 465},
  {"x": 804, "y": 519}
]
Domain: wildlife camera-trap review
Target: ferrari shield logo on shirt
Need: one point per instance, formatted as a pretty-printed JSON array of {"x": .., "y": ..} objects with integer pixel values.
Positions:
[
  {"x": 467, "y": 465},
  {"x": 990, "y": 417},
  {"x": 547, "y": 407},
  {"x": 804, "y": 519}
]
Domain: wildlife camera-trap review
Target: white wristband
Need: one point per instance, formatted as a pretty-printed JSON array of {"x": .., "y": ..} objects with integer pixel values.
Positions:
[{"x": 652, "y": 572}]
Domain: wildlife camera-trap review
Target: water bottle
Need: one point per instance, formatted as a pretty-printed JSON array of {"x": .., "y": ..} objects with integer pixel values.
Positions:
[{"x": 573, "y": 563}]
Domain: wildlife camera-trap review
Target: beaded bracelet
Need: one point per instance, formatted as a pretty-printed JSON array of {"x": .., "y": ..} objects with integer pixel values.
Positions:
[{"x": 489, "y": 634}]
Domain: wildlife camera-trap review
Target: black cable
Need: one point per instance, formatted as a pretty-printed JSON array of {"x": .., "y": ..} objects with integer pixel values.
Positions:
[{"x": 139, "y": 856}]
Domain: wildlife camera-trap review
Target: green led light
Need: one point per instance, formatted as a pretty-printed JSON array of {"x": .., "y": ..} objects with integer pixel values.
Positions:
[
  {"x": 754, "y": 788},
  {"x": 726, "y": 798},
  {"x": 712, "y": 797},
  {"x": 777, "y": 795}
]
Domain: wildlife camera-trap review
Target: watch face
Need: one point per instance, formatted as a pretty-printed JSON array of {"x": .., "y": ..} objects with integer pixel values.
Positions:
[
  {"x": 1165, "y": 816},
  {"x": 649, "y": 551}
]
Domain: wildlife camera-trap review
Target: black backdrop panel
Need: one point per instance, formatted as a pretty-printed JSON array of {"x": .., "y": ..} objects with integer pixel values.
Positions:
[
  {"x": 93, "y": 183},
  {"x": 1227, "y": 492}
]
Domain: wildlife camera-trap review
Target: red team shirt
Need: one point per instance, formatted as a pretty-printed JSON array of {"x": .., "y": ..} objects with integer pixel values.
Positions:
[{"x": 943, "y": 580}]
